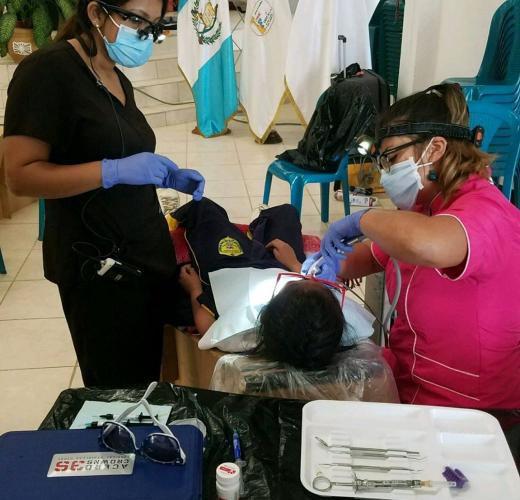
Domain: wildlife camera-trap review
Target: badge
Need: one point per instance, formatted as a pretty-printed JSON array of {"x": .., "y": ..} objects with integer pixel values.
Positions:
[
  {"x": 91, "y": 464},
  {"x": 262, "y": 18},
  {"x": 230, "y": 247},
  {"x": 205, "y": 22}
]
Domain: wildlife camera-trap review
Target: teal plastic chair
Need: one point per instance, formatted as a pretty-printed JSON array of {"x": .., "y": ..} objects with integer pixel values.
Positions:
[
  {"x": 3, "y": 270},
  {"x": 298, "y": 177},
  {"x": 386, "y": 34},
  {"x": 41, "y": 218},
  {"x": 498, "y": 79},
  {"x": 501, "y": 137}
]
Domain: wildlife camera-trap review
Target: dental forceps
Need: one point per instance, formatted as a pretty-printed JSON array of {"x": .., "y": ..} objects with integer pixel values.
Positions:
[
  {"x": 359, "y": 451},
  {"x": 373, "y": 468},
  {"x": 323, "y": 483}
]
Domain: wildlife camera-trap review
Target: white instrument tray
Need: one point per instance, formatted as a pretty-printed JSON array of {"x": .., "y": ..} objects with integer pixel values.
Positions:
[{"x": 469, "y": 440}]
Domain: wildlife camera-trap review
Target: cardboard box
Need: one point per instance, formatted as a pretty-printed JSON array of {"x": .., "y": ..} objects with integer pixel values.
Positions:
[
  {"x": 184, "y": 363},
  {"x": 365, "y": 175}
]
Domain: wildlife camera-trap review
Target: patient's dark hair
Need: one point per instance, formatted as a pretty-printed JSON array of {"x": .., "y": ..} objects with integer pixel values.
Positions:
[{"x": 302, "y": 326}]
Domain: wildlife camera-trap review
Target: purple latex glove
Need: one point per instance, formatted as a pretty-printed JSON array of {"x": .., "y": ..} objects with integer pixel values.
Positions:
[
  {"x": 186, "y": 181},
  {"x": 138, "y": 170},
  {"x": 334, "y": 243}
]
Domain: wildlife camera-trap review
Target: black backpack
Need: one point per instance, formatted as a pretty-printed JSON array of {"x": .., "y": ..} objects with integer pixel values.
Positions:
[{"x": 346, "y": 110}]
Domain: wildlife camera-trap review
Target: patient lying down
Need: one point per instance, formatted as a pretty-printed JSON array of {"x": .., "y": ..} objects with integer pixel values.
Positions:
[{"x": 244, "y": 299}]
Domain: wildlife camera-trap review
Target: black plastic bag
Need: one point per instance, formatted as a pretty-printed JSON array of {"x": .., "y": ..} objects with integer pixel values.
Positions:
[
  {"x": 346, "y": 110},
  {"x": 269, "y": 430}
]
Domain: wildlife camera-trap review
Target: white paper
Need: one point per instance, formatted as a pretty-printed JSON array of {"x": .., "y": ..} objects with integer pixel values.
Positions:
[
  {"x": 243, "y": 286},
  {"x": 91, "y": 411},
  {"x": 239, "y": 297}
]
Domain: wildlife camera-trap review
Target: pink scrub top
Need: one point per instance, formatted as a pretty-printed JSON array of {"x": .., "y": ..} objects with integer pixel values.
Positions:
[{"x": 456, "y": 338}]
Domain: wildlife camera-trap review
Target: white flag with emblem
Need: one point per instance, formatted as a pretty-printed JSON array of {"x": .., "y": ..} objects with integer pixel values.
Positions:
[
  {"x": 264, "y": 52},
  {"x": 313, "y": 46},
  {"x": 206, "y": 60}
]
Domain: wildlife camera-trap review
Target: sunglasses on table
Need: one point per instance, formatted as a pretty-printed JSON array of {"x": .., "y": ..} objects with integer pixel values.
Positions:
[
  {"x": 162, "y": 447},
  {"x": 289, "y": 277},
  {"x": 143, "y": 26}
]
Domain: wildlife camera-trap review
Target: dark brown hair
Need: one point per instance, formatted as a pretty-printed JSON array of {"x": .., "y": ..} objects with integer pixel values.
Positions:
[
  {"x": 444, "y": 103},
  {"x": 79, "y": 25},
  {"x": 302, "y": 326}
]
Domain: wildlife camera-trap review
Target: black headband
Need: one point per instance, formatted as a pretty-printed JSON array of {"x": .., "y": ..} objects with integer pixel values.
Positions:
[{"x": 448, "y": 130}]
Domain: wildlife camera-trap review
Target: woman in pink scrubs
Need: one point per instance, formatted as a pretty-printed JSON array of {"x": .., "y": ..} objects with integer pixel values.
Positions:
[{"x": 456, "y": 336}]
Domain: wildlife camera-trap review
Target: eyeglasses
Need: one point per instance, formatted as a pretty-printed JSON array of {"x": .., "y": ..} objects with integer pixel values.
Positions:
[
  {"x": 296, "y": 277},
  {"x": 143, "y": 26},
  {"x": 383, "y": 160},
  {"x": 162, "y": 447}
]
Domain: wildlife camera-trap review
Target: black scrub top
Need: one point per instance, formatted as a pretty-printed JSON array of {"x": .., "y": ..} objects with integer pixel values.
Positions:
[{"x": 54, "y": 97}]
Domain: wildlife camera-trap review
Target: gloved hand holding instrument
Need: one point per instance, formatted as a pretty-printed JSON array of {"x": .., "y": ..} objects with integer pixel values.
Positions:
[
  {"x": 335, "y": 245},
  {"x": 150, "y": 168}
]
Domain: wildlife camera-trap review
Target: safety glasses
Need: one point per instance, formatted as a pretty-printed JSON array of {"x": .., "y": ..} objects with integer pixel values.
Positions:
[
  {"x": 162, "y": 447},
  {"x": 284, "y": 278},
  {"x": 384, "y": 159},
  {"x": 143, "y": 26}
]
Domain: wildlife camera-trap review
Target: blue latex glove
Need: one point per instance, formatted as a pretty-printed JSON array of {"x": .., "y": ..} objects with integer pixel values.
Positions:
[
  {"x": 186, "y": 181},
  {"x": 328, "y": 268},
  {"x": 346, "y": 229},
  {"x": 137, "y": 170},
  {"x": 309, "y": 261}
]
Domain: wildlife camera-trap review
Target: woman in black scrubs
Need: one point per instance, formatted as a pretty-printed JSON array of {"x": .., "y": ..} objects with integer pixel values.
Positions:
[{"x": 74, "y": 136}]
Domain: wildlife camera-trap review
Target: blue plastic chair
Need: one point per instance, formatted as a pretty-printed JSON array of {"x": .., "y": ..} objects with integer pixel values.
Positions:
[
  {"x": 298, "y": 177},
  {"x": 3, "y": 270},
  {"x": 498, "y": 79},
  {"x": 41, "y": 218},
  {"x": 501, "y": 137}
]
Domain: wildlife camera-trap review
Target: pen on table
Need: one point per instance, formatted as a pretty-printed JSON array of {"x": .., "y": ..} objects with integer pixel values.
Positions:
[
  {"x": 236, "y": 446},
  {"x": 237, "y": 451},
  {"x": 140, "y": 417},
  {"x": 95, "y": 424}
]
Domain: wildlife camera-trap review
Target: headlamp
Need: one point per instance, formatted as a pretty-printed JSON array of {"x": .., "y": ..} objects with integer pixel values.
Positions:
[
  {"x": 447, "y": 130},
  {"x": 365, "y": 145},
  {"x": 156, "y": 30}
]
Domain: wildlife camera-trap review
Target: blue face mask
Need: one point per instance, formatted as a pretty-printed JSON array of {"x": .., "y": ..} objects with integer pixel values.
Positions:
[
  {"x": 403, "y": 183},
  {"x": 128, "y": 49}
]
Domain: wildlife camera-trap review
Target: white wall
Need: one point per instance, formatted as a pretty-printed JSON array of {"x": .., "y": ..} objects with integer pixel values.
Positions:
[{"x": 442, "y": 39}]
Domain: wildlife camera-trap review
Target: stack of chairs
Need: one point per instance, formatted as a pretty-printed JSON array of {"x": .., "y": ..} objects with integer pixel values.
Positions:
[
  {"x": 496, "y": 88},
  {"x": 498, "y": 79},
  {"x": 501, "y": 137},
  {"x": 386, "y": 33}
]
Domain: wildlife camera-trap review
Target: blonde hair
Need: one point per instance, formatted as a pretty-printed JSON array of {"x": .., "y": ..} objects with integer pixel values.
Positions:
[{"x": 444, "y": 103}]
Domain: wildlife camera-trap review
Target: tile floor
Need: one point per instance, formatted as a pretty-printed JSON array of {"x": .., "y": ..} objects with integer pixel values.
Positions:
[{"x": 37, "y": 359}]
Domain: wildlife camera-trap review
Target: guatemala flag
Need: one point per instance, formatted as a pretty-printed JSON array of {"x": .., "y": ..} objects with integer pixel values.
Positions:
[{"x": 206, "y": 59}]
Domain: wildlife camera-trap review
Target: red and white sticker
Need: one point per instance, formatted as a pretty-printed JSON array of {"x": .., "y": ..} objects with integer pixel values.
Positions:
[{"x": 91, "y": 464}]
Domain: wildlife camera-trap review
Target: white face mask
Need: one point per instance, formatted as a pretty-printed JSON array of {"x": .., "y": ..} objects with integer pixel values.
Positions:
[{"x": 403, "y": 182}]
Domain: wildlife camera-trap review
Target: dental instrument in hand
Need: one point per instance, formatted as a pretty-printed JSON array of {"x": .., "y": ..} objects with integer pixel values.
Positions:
[
  {"x": 323, "y": 483},
  {"x": 316, "y": 266},
  {"x": 370, "y": 452},
  {"x": 374, "y": 468}
]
